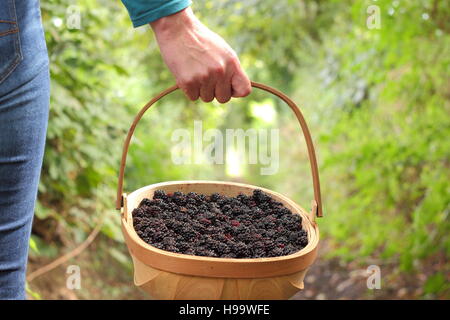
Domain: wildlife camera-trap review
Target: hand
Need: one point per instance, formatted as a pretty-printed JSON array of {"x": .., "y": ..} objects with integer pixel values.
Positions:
[{"x": 203, "y": 64}]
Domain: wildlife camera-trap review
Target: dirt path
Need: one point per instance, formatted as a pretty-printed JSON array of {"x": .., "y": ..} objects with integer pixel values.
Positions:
[
  {"x": 331, "y": 279},
  {"x": 326, "y": 279}
]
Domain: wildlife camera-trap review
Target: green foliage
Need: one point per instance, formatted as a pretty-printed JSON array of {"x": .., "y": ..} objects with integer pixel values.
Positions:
[
  {"x": 436, "y": 283},
  {"x": 35, "y": 295},
  {"x": 84, "y": 135},
  {"x": 390, "y": 148}
]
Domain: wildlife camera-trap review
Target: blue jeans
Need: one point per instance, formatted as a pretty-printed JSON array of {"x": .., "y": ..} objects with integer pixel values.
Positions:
[{"x": 24, "y": 103}]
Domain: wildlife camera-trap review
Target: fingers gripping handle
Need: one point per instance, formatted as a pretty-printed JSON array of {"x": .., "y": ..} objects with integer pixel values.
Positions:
[{"x": 317, "y": 202}]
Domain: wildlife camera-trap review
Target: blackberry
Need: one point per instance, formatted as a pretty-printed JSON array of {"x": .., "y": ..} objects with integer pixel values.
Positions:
[
  {"x": 154, "y": 210},
  {"x": 259, "y": 253},
  {"x": 241, "y": 249},
  {"x": 159, "y": 194},
  {"x": 269, "y": 245},
  {"x": 203, "y": 208},
  {"x": 218, "y": 226},
  {"x": 219, "y": 237},
  {"x": 169, "y": 241},
  {"x": 156, "y": 236},
  {"x": 226, "y": 209},
  {"x": 183, "y": 246},
  {"x": 188, "y": 233},
  {"x": 219, "y": 247},
  {"x": 198, "y": 227},
  {"x": 237, "y": 211},
  {"x": 191, "y": 195},
  {"x": 303, "y": 239},
  {"x": 191, "y": 201},
  {"x": 205, "y": 222},
  {"x": 202, "y": 251},
  {"x": 215, "y": 197},
  {"x": 235, "y": 223},
  {"x": 276, "y": 252},
  {"x": 260, "y": 197},
  {"x": 145, "y": 202},
  {"x": 243, "y": 198},
  {"x": 289, "y": 249},
  {"x": 171, "y": 249},
  {"x": 246, "y": 237},
  {"x": 138, "y": 212},
  {"x": 294, "y": 236},
  {"x": 158, "y": 245},
  {"x": 210, "y": 216},
  {"x": 178, "y": 226}
]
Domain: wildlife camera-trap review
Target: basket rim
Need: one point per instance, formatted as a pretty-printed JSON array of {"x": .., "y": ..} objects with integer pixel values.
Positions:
[{"x": 139, "y": 247}]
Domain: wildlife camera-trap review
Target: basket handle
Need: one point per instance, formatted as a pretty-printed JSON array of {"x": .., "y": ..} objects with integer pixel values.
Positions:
[{"x": 316, "y": 203}]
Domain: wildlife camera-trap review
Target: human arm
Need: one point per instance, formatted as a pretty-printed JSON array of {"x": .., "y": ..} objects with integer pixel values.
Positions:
[{"x": 203, "y": 64}]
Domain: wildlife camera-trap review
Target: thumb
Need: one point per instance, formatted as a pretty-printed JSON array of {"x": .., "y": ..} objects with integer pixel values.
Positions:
[{"x": 240, "y": 84}]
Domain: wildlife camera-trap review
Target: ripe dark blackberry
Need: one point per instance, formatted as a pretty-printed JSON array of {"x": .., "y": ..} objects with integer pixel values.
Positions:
[
  {"x": 178, "y": 226},
  {"x": 146, "y": 202},
  {"x": 219, "y": 247},
  {"x": 215, "y": 197},
  {"x": 261, "y": 232},
  {"x": 260, "y": 197},
  {"x": 203, "y": 208},
  {"x": 158, "y": 245},
  {"x": 243, "y": 198},
  {"x": 178, "y": 194},
  {"x": 276, "y": 252},
  {"x": 218, "y": 226},
  {"x": 237, "y": 211},
  {"x": 269, "y": 245},
  {"x": 198, "y": 227},
  {"x": 241, "y": 249},
  {"x": 259, "y": 253},
  {"x": 183, "y": 246},
  {"x": 188, "y": 233},
  {"x": 202, "y": 251},
  {"x": 191, "y": 201},
  {"x": 159, "y": 194},
  {"x": 226, "y": 209},
  {"x": 169, "y": 241},
  {"x": 155, "y": 235},
  {"x": 210, "y": 215},
  {"x": 172, "y": 249},
  {"x": 246, "y": 237},
  {"x": 212, "y": 230},
  {"x": 288, "y": 249},
  {"x": 282, "y": 240},
  {"x": 302, "y": 241}
]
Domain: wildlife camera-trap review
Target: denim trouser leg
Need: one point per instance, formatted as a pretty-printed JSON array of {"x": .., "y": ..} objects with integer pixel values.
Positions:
[{"x": 24, "y": 101}]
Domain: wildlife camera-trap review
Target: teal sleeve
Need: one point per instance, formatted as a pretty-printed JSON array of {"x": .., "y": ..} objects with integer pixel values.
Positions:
[{"x": 144, "y": 11}]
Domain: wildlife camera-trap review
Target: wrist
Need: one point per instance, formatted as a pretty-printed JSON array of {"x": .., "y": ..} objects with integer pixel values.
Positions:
[{"x": 173, "y": 24}]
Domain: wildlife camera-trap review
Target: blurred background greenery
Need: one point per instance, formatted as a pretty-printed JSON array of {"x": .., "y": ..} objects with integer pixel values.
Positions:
[{"x": 377, "y": 102}]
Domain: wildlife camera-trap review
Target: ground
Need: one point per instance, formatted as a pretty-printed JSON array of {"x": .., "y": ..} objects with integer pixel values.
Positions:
[{"x": 103, "y": 277}]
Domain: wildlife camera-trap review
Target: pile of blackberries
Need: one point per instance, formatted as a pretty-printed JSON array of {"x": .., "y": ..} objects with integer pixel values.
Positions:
[{"x": 253, "y": 226}]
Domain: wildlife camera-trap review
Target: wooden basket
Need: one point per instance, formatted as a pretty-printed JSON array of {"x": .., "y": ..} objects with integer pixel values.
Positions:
[{"x": 167, "y": 275}]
